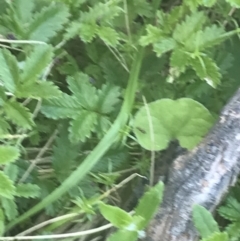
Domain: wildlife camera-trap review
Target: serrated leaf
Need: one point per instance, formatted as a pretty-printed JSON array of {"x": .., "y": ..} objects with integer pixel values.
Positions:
[
  {"x": 233, "y": 230},
  {"x": 204, "y": 221},
  {"x": 8, "y": 154},
  {"x": 82, "y": 126},
  {"x": 10, "y": 208},
  {"x": 207, "y": 70},
  {"x": 184, "y": 119},
  {"x": 23, "y": 9},
  {"x": 43, "y": 89},
  {"x": 64, "y": 153},
  {"x": 36, "y": 62},
  {"x": 4, "y": 127},
  {"x": 108, "y": 97},
  {"x": 86, "y": 31},
  {"x": 164, "y": 46},
  {"x": 179, "y": 59},
  {"x": 154, "y": 35},
  {"x": 231, "y": 210},
  {"x": 124, "y": 235},
  {"x": 65, "y": 106},
  {"x": 27, "y": 190},
  {"x": 116, "y": 216},
  {"x": 143, "y": 209},
  {"x": 108, "y": 35},
  {"x": 9, "y": 72},
  {"x": 217, "y": 237},
  {"x": 11, "y": 170},
  {"x": 206, "y": 38},
  {"x": 192, "y": 24},
  {"x": 83, "y": 90},
  {"x": 48, "y": 22},
  {"x": 18, "y": 114},
  {"x": 2, "y": 219},
  {"x": 7, "y": 188}
]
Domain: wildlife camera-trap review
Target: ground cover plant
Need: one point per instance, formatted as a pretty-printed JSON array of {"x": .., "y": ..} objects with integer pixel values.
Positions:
[{"x": 90, "y": 92}]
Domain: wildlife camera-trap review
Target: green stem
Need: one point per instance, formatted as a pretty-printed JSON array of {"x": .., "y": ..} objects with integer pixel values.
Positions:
[{"x": 98, "y": 151}]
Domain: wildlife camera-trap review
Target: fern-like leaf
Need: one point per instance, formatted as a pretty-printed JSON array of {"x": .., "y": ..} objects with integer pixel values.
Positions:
[
  {"x": 27, "y": 190},
  {"x": 11, "y": 170},
  {"x": 231, "y": 210},
  {"x": 164, "y": 46},
  {"x": 233, "y": 230},
  {"x": 36, "y": 62},
  {"x": 8, "y": 154},
  {"x": 179, "y": 59},
  {"x": 48, "y": 21},
  {"x": 64, "y": 153},
  {"x": 82, "y": 126},
  {"x": 10, "y": 208},
  {"x": 108, "y": 35},
  {"x": 38, "y": 90},
  {"x": 207, "y": 70},
  {"x": 7, "y": 188},
  {"x": 18, "y": 114},
  {"x": 204, "y": 39},
  {"x": 23, "y": 10},
  {"x": 83, "y": 90},
  {"x": 9, "y": 73},
  {"x": 65, "y": 106},
  {"x": 192, "y": 24},
  {"x": 108, "y": 97}
]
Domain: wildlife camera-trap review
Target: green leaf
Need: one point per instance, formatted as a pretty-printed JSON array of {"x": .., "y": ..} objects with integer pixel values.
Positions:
[
  {"x": 27, "y": 190},
  {"x": 153, "y": 197},
  {"x": 204, "y": 221},
  {"x": 10, "y": 208},
  {"x": 65, "y": 106},
  {"x": 35, "y": 63},
  {"x": 2, "y": 226},
  {"x": 217, "y": 237},
  {"x": 9, "y": 72},
  {"x": 18, "y": 114},
  {"x": 206, "y": 38},
  {"x": 108, "y": 35},
  {"x": 233, "y": 230},
  {"x": 8, "y": 154},
  {"x": 7, "y": 188},
  {"x": 82, "y": 126},
  {"x": 11, "y": 170},
  {"x": 64, "y": 153},
  {"x": 207, "y": 70},
  {"x": 83, "y": 90},
  {"x": 164, "y": 46},
  {"x": 124, "y": 235},
  {"x": 154, "y": 35},
  {"x": 116, "y": 216},
  {"x": 86, "y": 31},
  {"x": 48, "y": 22},
  {"x": 192, "y": 24},
  {"x": 231, "y": 210},
  {"x": 108, "y": 98},
  {"x": 23, "y": 9},
  {"x": 184, "y": 119},
  {"x": 38, "y": 89},
  {"x": 179, "y": 59}
]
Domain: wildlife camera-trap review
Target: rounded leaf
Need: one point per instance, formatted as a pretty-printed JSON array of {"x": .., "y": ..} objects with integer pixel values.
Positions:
[{"x": 164, "y": 120}]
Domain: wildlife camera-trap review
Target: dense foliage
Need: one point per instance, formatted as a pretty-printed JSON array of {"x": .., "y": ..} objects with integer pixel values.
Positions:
[{"x": 89, "y": 89}]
